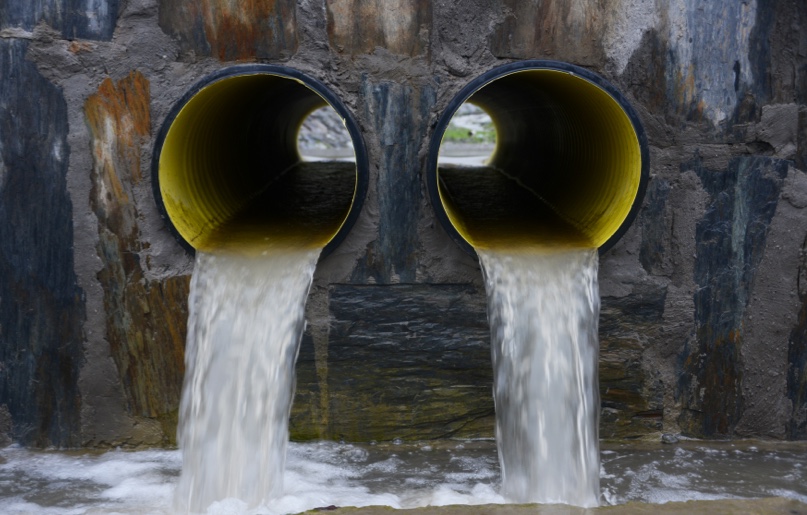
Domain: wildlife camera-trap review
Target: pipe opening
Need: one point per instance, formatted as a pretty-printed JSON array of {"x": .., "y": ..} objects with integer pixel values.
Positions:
[
  {"x": 228, "y": 173},
  {"x": 569, "y": 166}
]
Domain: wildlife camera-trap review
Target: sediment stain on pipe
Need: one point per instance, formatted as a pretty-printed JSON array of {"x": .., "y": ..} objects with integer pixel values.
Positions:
[
  {"x": 232, "y": 31},
  {"x": 145, "y": 319},
  {"x": 359, "y": 26}
]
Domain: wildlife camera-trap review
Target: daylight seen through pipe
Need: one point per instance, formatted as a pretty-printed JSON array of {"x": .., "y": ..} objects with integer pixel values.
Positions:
[
  {"x": 227, "y": 172},
  {"x": 569, "y": 168}
]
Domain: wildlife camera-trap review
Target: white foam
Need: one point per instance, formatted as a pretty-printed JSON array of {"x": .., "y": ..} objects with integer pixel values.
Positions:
[{"x": 327, "y": 473}]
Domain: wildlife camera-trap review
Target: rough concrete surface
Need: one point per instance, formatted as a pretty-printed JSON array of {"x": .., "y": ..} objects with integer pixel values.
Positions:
[{"x": 704, "y": 308}]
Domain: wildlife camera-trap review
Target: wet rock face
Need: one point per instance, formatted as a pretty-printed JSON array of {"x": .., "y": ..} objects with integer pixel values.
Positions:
[
  {"x": 797, "y": 358},
  {"x": 549, "y": 29},
  {"x": 83, "y": 19},
  {"x": 399, "y": 114},
  {"x": 41, "y": 306},
  {"x": 409, "y": 361},
  {"x": 631, "y": 397},
  {"x": 730, "y": 242},
  {"x": 232, "y": 31},
  {"x": 703, "y": 325},
  {"x": 145, "y": 319},
  {"x": 359, "y": 27}
]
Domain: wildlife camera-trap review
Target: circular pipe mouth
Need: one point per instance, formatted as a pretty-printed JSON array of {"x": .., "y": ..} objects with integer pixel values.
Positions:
[
  {"x": 570, "y": 165},
  {"x": 227, "y": 173}
]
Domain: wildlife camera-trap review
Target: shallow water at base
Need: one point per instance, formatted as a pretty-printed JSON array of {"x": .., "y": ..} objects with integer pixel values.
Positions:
[{"x": 407, "y": 475}]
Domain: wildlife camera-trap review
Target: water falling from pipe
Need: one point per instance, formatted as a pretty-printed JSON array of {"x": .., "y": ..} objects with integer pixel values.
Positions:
[
  {"x": 543, "y": 308},
  {"x": 565, "y": 180},
  {"x": 245, "y": 324}
]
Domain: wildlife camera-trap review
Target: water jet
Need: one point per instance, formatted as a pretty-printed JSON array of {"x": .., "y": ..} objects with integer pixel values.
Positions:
[
  {"x": 567, "y": 177},
  {"x": 232, "y": 185}
]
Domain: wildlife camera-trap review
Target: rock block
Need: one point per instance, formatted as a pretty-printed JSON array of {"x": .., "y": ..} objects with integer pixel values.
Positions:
[
  {"x": 631, "y": 397},
  {"x": 730, "y": 242},
  {"x": 232, "y": 31},
  {"x": 797, "y": 359},
  {"x": 75, "y": 19},
  {"x": 41, "y": 305},
  {"x": 569, "y": 31},
  {"x": 403, "y": 361},
  {"x": 145, "y": 319},
  {"x": 360, "y": 26}
]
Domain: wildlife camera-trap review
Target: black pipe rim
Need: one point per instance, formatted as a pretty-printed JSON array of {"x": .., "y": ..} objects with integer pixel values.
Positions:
[
  {"x": 491, "y": 75},
  {"x": 359, "y": 148}
]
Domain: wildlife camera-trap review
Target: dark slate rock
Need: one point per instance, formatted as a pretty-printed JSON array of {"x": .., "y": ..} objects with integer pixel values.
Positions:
[
  {"x": 403, "y": 361},
  {"x": 730, "y": 241},
  {"x": 653, "y": 253},
  {"x": 797, "y": 360},
  {"x": 547, "y": 28},
  {"x": 413, "y": 362},
  {"x": 232, "y": 30},
  {"x": 399, "y": 114},
  {"x": 669, "y": 438},
  {"x": 801, "y": 137},
  {"x": 759, "y": 56},
  {"x": 359, "y": 27},
  {"x": 646, "y": 75},
  {"x": 714, "y": 79},
  {"x": 145, "y": 319},
  {"x": 81, "y": 19},
  {"x": 631, "y": 397},
  {"x": 702, "y": 79},
  {"x": 41, "y": 306}
]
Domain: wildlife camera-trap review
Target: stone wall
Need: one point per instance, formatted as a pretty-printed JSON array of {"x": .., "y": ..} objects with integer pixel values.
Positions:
[{"x": 704, "y": 300}]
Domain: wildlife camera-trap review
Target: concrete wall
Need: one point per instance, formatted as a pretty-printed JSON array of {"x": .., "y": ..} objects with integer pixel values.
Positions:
[{"x": 704, "y": 317}]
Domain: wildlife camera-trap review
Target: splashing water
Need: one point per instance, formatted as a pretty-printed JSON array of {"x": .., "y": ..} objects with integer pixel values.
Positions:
[
  {"x": 407, "y": 475},
  {"x": 244, "y": 328},
  {"x": 543, "y": 308}
]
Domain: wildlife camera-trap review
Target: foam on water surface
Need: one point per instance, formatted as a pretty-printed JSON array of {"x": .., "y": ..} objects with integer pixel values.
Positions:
[{"x": 328, "y": 473}]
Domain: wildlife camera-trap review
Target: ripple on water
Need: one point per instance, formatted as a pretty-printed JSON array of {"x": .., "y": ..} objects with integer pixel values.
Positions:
[{"x": 329, "y": 473}]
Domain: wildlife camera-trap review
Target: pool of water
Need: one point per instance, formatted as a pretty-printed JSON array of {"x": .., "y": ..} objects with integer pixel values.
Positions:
[{"x": 402, "y": 475}]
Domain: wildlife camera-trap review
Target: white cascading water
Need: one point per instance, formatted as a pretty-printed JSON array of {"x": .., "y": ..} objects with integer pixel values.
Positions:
[
  {"x": 543, "y": 308},
  {"x": 244, "y": 328}
]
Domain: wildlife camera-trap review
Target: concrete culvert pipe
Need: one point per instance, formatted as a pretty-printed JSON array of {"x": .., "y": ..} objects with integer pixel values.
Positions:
[
  {"x": 227, "y": 172},
  {"x": 570, "y": 164}
]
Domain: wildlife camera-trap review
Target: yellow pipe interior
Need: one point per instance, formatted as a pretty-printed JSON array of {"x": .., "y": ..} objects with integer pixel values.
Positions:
[
  {"x": 565, "y": 172},
  {"x": 230, "y": 173}
]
